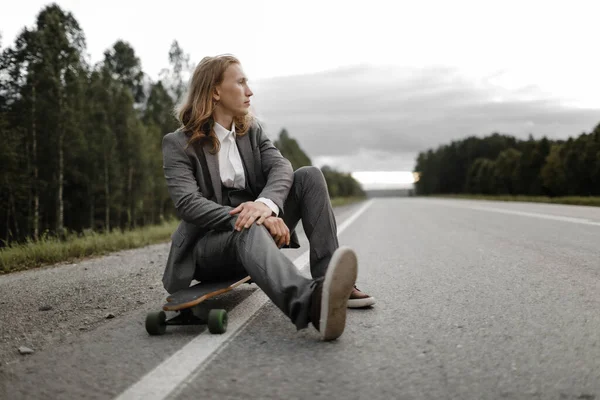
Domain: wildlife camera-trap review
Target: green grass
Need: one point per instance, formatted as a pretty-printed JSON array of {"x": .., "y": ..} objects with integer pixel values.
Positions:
[
  {"x": 344, "y": 201},
  {"x": 571, "y": 200},
  {"x": 49, "y": 250}
]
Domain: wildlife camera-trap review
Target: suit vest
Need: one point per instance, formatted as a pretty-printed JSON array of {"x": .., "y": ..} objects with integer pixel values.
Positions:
[{"x": 234, "y": 197}]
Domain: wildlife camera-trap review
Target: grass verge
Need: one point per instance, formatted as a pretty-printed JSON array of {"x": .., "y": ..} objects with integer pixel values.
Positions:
[
  {"x": 344, "y": 201},
  {"x": 571, "y": 200},
  {"x": 49, "y": 250}
]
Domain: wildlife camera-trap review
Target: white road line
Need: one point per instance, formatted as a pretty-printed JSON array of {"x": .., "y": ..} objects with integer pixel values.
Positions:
[
  {"x": 169, "y": 375},
  {"x": 574, "y": 220}
]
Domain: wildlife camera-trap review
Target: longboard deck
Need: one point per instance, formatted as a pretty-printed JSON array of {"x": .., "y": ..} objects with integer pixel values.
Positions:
[{"x": 200, "y": 292}]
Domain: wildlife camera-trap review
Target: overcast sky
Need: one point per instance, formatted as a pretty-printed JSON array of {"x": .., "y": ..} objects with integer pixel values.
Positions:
[{"x": 367, "y": 85}]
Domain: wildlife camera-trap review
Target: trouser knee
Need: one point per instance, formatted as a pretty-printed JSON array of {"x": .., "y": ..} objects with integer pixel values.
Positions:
[
  {"x": 254, "y": 238},
  {"x": 310, "y": 175}
]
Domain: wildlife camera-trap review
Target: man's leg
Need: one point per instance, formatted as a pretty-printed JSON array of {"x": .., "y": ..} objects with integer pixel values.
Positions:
[
  {"x": 309, "y": 201},
  {"x": 220, "y": 253},
  {"x": 321, "y": 301}
]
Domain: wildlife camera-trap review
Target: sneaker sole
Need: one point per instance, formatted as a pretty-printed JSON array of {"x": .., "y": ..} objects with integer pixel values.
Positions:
[
  {"x": 337, "y": 286},
  {"x": 361, "y": 303}
]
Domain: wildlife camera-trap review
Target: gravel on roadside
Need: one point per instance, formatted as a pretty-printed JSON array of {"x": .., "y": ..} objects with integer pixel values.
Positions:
[{"x": 46, "y": 306}]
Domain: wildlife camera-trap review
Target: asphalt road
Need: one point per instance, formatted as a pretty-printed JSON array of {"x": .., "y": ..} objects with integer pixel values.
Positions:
[{"x": 475, "y": 300}]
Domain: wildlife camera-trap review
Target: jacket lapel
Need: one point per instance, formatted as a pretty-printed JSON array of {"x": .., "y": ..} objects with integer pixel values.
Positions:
[
  {"x": 245, "y": 149},
  {"x": 215, "y": 175}
]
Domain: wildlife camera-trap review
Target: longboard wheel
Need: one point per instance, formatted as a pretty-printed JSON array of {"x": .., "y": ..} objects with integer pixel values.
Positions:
[
  {"x": 217, "y": 321},
  {"x": 156, "y": 322}
]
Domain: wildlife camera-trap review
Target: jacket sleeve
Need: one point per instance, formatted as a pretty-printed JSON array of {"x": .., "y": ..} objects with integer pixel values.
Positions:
[
  {"x": 277, "y": 170},
  {"x": 185, "y": 193}
]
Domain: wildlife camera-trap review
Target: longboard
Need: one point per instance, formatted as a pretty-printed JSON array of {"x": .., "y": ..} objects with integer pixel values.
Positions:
[
  {"x": 200, "y": 292},
  {"x": 183, "y": 301}
]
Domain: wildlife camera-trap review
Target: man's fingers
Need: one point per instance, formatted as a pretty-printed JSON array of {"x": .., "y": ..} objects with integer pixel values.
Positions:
[
  {"x": 283, "y": 239},
  {"x": 238, "y": 223},
  {"x": 242, "y": 223},
  {"x": 251, "y": 219},
  {"x": 249, "y": 222},
  {"x": 286, "y": 237},
  {"x": 281, "y": 236},
  {"x": 275, "y": 233},
  {"x": 244, "y": 212},
  {"x": 250, "y": 213},
  {"x": 262, "y": 219},
  {"x": 285, "y": 233},
  {"x": 236, "y": 210},
  {"x": 242, "y": 219}
]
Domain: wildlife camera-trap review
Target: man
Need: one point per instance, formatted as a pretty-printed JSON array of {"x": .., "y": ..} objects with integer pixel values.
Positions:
[{"x": 239, "y": 200}]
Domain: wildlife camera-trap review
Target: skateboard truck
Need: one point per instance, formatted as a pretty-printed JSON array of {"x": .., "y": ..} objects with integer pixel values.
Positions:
[
  {"x": 157, "y": 322},
  {"x": 183, "y": 302}
]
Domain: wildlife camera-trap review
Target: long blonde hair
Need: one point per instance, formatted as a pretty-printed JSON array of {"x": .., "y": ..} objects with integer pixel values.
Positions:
[{"x": 195, "y": 112}]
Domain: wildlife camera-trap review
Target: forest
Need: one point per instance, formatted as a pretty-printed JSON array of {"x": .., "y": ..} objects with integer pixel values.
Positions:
[
  {"x": 80, "y": 144},
  {"x": 500, "y": 164}
]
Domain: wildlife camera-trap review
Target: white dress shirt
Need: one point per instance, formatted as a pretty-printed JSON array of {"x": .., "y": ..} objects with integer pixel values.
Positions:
[{"x": 230, "y": 163}]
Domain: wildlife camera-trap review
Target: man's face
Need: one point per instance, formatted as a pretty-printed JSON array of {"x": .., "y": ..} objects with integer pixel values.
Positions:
[{"x": 233, "y": 93}]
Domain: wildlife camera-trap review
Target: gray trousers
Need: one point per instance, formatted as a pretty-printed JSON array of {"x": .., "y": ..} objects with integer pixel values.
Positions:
[{"x": 254, "y": 252}]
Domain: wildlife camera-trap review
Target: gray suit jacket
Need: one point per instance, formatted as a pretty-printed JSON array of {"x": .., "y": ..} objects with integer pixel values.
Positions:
[{"x": 194, "y": 184}]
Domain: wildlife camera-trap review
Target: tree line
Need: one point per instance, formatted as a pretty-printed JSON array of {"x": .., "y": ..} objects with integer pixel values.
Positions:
[
  {"x": 504, "y": 165},
  {"x": 80, "y": 144},
  {"x": 339, "y": 184}
]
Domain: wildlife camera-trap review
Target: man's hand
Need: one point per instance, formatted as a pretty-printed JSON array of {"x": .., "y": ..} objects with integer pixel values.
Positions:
[
  {"x": 279, "y": 230},
  {"x": 250, "y": 212}
]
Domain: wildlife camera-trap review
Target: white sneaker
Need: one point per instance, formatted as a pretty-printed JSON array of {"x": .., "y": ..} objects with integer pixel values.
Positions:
[{"x": 333, "y": 292}]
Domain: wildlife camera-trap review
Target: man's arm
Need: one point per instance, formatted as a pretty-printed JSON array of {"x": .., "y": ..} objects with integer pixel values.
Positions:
[
  {"x": 270, "y": 204},
  {"x": 189, "y": 202},
  {"x": 277, "y": 169}
]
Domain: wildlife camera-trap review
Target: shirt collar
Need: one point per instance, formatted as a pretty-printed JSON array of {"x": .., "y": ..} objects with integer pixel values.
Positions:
[{"x": 222, "y": 133}]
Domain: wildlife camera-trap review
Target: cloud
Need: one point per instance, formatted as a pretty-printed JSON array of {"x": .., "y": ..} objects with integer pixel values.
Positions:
[{"x": 380, "y": 118}]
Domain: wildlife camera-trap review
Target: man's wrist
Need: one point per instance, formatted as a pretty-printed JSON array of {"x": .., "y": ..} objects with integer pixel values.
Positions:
[{"x": 269, "y": 203}]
